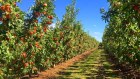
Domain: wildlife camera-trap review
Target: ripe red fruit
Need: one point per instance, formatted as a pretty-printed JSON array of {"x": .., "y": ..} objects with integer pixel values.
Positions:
[
  {"x": 45, "y": 4},
  {"x": 22, "y": 39},
  {"x": 37, "y": 14},
  {"x": 15, "y": 4},
  {"x": 2, "y": 8},
  {"x": 50, "y": 17},
  {"x": 1, "y": 19},
  {"x": 57, "y": 43},
  {"x": 8, "y": 16},
  {"x": 55, "y": 39},
  {"x": 26, "y": 64},
  {"x": 31, "y": 32},
  {"x": 7, "y": 38},
  {"x": 37, "y": 44},
  {"x": 36, "y": 21},
  {"x": 17, "y": 15},
  {"x": 44, "y": 29},
  {"x": 34, "y": 31},
  {"x": 8, "y": 8},
  {"x": 49, "y": 22},
  {"x": 24, "y": 55},
  {"x": 44, "y": 13},
  {"x": 31, "y": 63},
  {"x": 136, "y": 7}
]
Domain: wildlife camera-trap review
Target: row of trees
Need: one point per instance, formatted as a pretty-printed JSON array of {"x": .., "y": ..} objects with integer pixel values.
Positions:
[
  {"x": 122, "y": 34},
  {"x": 29, "y": 45}
]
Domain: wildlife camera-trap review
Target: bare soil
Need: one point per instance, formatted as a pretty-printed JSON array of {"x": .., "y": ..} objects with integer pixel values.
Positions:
[
  {"x": 92, "y": 64},
  {"x": 52, "y": 73}
]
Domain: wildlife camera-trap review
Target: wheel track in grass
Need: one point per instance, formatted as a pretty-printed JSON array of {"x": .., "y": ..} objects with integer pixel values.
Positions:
[{"x": 95, "y": 66}]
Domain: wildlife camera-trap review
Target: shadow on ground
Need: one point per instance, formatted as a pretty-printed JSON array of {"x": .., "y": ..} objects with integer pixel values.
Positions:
[{"x": 95, "y": 66}]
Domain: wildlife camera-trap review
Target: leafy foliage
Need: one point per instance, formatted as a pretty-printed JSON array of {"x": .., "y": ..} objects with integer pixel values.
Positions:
[
  {"x": 28, "y": 44},
  {"x": 122, "y": 34}
]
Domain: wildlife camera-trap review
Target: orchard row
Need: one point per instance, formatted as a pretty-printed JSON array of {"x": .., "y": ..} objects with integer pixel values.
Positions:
[
  {"x": 29, "y": 45},
  {"x": 122, "y": 34}
]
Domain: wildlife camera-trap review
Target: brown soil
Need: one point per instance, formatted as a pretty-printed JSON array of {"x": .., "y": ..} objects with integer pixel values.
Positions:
[{"x": 53, "y": 72}]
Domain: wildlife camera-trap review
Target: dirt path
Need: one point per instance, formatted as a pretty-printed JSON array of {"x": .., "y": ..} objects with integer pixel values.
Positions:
[
  {"x": 53, "y": 72},
  {"x": 96, "y": 66}
]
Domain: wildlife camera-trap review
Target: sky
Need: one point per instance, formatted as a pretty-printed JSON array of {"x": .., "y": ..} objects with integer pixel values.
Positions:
[{"x": 89, "y": 14}]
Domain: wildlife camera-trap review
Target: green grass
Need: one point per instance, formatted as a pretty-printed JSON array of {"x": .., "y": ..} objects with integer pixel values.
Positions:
[{"x": 94, "y": 66}]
